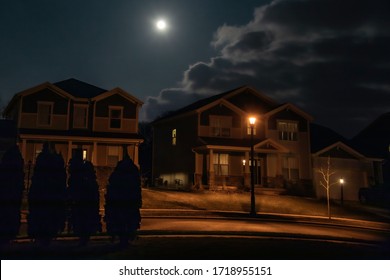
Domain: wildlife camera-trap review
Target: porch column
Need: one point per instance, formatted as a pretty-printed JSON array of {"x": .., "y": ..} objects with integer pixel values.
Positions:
[
  {"x": 279, "y": 165},
  {"x": 94, "y": 154},
  {"x": 23, "y": 149},
  {"x": 198, "y": 171},
  {"x": 211, "y": 174},
  {"x": 69, "y": 151},
  {"x": 279, "y": 180},
  {"x": 247, "y": 172},
  {"x": 136, "y": 155}
]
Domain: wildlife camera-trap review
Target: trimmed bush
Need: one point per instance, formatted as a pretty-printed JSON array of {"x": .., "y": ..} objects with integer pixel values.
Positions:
[
  {"x": 83, "y": 191},
  {"x": 123, "y": 201},
  {"x": 11, "y": 192},
  {"x": 47, "y": 197}
]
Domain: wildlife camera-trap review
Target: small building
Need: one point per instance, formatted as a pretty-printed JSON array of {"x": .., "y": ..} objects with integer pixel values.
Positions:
[
  {"x": 374, "y": 141},
  {"x": 207, "y": 144},
  {"x": 73, "y": 114},
  {"x": 330, "y": 150}
]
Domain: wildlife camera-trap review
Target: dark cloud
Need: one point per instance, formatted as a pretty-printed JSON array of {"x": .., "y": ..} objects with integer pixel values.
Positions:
[{"x": 329, "y": 57}]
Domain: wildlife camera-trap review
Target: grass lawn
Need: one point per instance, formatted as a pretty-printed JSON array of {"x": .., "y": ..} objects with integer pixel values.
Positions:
[{"x": 283, "y": 204}]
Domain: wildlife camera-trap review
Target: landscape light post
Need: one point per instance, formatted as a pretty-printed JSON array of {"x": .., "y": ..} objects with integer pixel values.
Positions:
[
  {"x": 342, "y": 191},
  {"x": 252, "y": 122}
]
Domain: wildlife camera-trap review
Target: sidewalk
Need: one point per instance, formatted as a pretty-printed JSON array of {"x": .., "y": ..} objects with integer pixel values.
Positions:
[{"x": 177, "y": 213}]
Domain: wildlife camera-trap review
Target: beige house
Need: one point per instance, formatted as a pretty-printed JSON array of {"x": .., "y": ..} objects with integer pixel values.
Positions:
[
  {"x": 355, "y": 167},
  {"x": 208, "y": 144},
  {"x": 356, "y": 171},
  {"x": 72, "y": 114}
]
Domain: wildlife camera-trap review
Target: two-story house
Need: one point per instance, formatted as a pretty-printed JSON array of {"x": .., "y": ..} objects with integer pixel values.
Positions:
[
  {"x": 72, "y": 114},
  {"x": 208, "y": 143}
]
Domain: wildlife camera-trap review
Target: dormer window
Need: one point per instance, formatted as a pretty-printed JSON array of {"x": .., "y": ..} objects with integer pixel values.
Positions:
[
  {"x": 220, "y": 126},
  {"x": 45, "y": 112},
  {"x": 288, "y": 130},
  {"x": 116, "y": 114}
]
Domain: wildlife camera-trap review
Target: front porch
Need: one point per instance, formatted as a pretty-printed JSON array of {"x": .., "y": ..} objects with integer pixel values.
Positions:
[{"x": 229, "y": 168}]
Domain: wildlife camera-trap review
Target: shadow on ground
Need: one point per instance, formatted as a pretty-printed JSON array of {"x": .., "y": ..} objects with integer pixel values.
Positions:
[{"x": 200, "y": 247}]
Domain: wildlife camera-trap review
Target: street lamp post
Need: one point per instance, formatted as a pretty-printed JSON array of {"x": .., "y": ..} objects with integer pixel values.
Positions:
[
  {"x": 252, "y": 122},
  {"x": 341, "y": 191}
]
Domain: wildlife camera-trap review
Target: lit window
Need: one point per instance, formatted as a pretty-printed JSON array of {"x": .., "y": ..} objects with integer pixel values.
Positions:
[
  {"x": 249, "y": 129},
  {"x": 290, "y": 168},
  {"x": 115, "y": 117},
  {"x": 174, "y": 137},
  {"x": 75, "y": 153},
  {"x": 84, "y": 154},
  {"x": 80, "y": 116},
  {"x": 220, "y": 126},
  {"x": 221, "y": 164},
  {"x": 112, "y": 155},
  {"x": 288, "y": 130},
  {"x": 45, "y": 111}
]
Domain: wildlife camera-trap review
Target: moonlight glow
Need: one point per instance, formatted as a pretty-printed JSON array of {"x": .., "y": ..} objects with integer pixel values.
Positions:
[{"x": 161, "y": 25}]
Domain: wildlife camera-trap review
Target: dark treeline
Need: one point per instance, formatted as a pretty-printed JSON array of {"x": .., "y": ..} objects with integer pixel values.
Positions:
[{"x": 56, "y": 200}]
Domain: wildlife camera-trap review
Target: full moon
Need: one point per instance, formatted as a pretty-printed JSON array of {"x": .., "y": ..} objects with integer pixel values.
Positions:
[{"x": 161, "y": 25}]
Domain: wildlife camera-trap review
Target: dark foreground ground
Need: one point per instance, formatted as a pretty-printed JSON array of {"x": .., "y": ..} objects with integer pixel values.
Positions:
[
  {"x": 234, "y": 236},
  {"x": 202, "y": 247},
  {"x": 186, "y": 226}
]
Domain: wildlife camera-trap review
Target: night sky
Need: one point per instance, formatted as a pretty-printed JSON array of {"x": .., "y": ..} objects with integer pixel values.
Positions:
[{"x": 331, "y": 58}]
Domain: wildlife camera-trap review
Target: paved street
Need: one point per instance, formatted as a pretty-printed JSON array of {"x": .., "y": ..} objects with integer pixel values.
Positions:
[{"x": 234, "y": 237}]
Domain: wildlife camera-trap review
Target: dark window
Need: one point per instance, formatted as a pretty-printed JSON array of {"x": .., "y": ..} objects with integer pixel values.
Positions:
[
  {"x": 115, "y": 118},
  {"x": 44, "y": 113}
]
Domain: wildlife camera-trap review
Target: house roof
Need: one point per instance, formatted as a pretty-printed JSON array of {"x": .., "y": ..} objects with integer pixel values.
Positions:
[
  {"x": 289, "y": 106},
  {"x": 374, "y": 140},
  {"x": 321, "y": 137},
  {"x": 226, "y": 95},
  {"x": 79, "y": 89}
]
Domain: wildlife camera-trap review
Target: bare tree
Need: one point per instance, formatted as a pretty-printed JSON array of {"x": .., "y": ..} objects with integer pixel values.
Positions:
[{"x": 326, "y": 181}]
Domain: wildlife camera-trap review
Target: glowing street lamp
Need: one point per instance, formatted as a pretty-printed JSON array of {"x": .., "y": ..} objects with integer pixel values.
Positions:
[
  {"x": 252, "y": 122},
  {"x": 341, "y": 191}
]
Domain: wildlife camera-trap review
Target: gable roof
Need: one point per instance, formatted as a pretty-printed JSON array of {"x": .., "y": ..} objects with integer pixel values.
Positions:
[
  {"x": 205, "y": 101},
  {"x": 342, "y": 147},
  {"x": 374, "y": 140},
  {"x": 321, "y": 137},
  {"x": 121, "y": 92},
  {"x": 79, "y": 89},
  {"x": 293, "y": 108}
]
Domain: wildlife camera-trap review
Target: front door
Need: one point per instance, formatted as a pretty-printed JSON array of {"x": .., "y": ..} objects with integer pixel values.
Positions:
[{"x": 258, "y": 171}]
